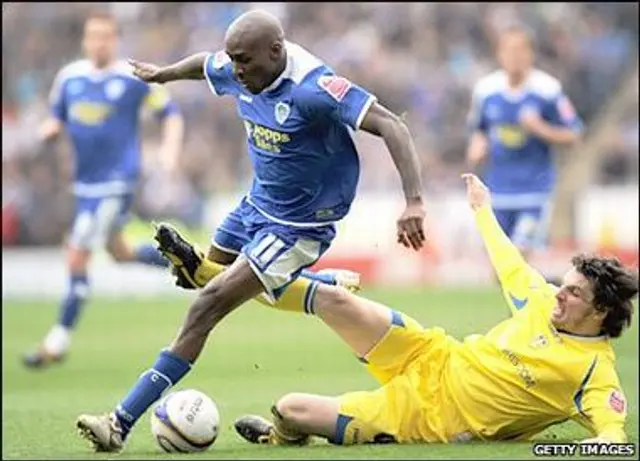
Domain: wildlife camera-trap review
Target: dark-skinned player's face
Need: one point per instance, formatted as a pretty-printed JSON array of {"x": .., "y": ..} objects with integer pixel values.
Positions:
[{"x": 254, "y": 64}]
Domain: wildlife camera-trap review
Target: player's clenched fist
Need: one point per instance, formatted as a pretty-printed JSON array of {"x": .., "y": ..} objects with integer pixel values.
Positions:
[
  {"x": 411, "y": 226},
  {"x": 478, "y": 194},
  {"x": 146, "y": 71}
]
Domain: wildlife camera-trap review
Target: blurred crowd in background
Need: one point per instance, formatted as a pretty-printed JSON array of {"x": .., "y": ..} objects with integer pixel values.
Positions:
[{"x": 418, "y": 58}]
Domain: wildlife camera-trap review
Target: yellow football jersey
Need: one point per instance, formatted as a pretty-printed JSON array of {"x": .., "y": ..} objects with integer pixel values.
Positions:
[{"x": 523, "y": 375}]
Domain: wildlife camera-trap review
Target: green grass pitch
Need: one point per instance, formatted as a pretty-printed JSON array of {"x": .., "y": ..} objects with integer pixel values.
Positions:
[{"x": 255, "y": 356}]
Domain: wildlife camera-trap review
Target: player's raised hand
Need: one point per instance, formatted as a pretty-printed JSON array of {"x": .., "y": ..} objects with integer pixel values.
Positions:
[
  {"x": 530, "y": 120},
  {"x": 478, "y": 194},
  {"x": 146, "y": 71},
  {"x": 411, "y": 226}
]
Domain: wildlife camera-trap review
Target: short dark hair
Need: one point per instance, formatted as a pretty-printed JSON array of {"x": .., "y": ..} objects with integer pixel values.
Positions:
[{"x": 614, "y": 287}]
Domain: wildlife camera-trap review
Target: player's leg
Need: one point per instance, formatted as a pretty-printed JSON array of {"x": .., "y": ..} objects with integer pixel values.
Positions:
[
  {"x": 92, "y": 218},
  {"x": 379, "y": 416},
  {"x": 122, "y": 251},
  {"x": 388, "y": 342},
  {"x": 523, "y": 234},
  {"x": 269, "y": 263},
  {"x": 231, "y": 288},
  {"x": 58, "y": 340},
  {"x": 294, "y": 419},
  {"x": 227, "y": 242},
  {"x": 530, "y": 232}
]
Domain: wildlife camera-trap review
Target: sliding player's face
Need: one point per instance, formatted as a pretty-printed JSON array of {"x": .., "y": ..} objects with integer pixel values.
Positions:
[
  {"x": 515, "y": 53},
  {"x": 255, "y": 65},
  {"x": 100, "y": 41},
  {"x": 574, "y": 311}
]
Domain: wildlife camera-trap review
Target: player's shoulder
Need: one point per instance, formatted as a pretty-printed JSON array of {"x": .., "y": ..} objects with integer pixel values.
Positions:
[
  {"x": 490, "y": 84},
  {"x": 312, "y": 78},
  {"x": 303, "y": 64},
  {"x": 217, "y": 61},
  {"x": 596, "y": 351},
  {"x": 77, "y": 68},
  {"x": 544, "y": 84}
]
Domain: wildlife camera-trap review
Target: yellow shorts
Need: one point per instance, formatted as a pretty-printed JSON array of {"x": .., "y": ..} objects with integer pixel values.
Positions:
[{"x": 412, "y": 406}]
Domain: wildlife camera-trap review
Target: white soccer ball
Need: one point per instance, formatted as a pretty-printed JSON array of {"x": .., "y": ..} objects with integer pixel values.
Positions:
[{"x": 185, "y": 421}]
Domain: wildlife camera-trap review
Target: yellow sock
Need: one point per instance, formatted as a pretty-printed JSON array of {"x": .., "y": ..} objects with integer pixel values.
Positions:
[{"x": 292, "y": 299}]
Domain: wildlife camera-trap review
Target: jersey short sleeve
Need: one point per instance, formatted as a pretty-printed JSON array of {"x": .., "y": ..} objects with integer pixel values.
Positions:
[
  {"x": 218, "y": 73},
  {"x": 159, "y": 101},
  {"x": 334, "y": 97},
  {"x": 561, "y": 112},
  {"x": 57, "y": 100},
  {"x": 476, "y": 121}
]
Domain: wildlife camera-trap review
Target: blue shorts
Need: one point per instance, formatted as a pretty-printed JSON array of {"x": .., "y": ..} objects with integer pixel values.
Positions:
[
  {"x": 276, "y": 252},
  {"x": 98, "y": 218},
  {"x": 526, "y": 227}
]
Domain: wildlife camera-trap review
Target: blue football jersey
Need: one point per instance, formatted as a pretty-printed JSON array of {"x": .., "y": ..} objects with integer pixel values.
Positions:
[
  {"x": 520, "y": 169},
  {"x": 299, "y": 137},
  {"x": 100, "y": 112}
]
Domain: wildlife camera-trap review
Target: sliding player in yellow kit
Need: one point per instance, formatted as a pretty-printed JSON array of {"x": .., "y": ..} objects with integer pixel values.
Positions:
[{"x": 550, "y": 362}]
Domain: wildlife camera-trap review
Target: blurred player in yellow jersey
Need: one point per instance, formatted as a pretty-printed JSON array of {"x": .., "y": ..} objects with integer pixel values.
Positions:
[{"x": 550, "y": 362}]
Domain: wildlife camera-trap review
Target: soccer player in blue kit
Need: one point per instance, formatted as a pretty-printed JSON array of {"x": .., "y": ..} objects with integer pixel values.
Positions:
[
  {"x": 97, "y": 102},
  {"x": 299, "y": 118},
  {"x": 519, "y": 115}
]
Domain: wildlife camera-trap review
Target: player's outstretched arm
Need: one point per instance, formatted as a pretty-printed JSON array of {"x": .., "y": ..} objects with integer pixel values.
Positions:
[
  {"x": 382, "y": 122},
  {"x": 602, "y": 408},
  {"x": 513, "y": 271},
  {"x": 189, "y": 68}
]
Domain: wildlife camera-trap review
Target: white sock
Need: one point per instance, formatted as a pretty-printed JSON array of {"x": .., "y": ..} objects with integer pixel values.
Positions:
[{"x": 57, "y": 340}]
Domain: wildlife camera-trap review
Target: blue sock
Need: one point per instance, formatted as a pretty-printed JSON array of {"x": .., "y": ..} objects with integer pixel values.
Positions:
[
  {"x": 72, "y": 304},
  {"x": 328, "y": 279},
  {"x": 167, "y": 371},
  {"x": 148, "y": 254}
]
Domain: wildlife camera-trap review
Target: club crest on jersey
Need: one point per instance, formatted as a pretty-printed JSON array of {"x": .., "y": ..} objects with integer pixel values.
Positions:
[
  {"x": 336, "y": 86},
  {"x": 114, "y": 89},
  {"x": 539, "y": 341},
  {"x": 282, "y": 112},
  {"x": 616, "y": 401},
  {"x": 75, "y": 87},
  {"x": 493, "y": 112}
]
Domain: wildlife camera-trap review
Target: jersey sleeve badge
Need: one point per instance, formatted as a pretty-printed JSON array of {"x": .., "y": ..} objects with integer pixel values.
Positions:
[
  {"x": 220, "y": 59},
  {"x": 565, "y": 109},
  {"x": 617, "y": 401},
  {"x": 337, "y": 87}
]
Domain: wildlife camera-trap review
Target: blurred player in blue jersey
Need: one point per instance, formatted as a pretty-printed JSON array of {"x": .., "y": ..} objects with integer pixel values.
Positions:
[
  {"x": 300, "y": 118},
  {"x": 97, "y": 102},
  {"x": 519, "y": 114}
]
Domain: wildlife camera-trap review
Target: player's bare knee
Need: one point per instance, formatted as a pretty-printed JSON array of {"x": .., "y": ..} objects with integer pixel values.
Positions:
[
  {"x": 293, "y": 408},
  {"x": 332, "y": 299},
  {"x": 78, "y": 260},
  {"x": 118, "y": 255}
]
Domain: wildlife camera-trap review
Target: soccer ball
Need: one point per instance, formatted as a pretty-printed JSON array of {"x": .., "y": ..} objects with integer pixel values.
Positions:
[{"x": 185, "y": 421}]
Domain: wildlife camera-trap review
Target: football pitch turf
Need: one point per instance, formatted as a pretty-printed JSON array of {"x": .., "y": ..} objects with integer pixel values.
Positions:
[{"x": 255, "y": 356}]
